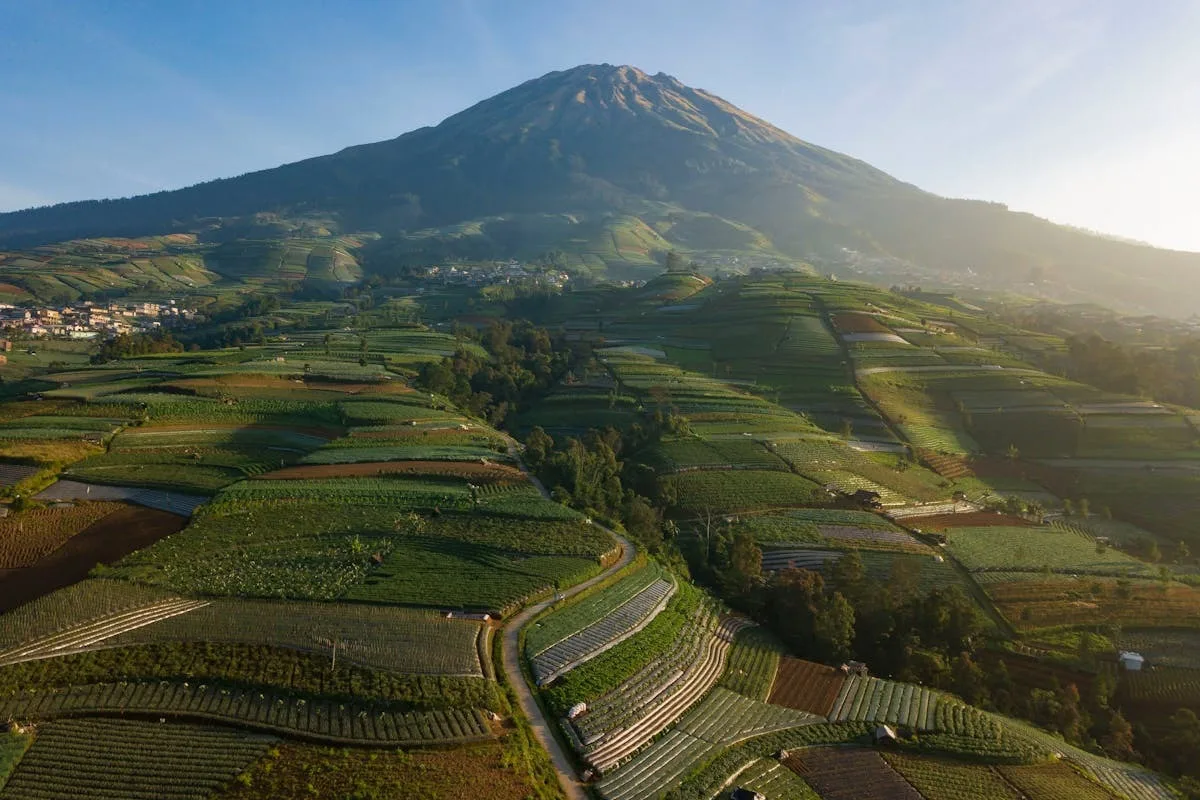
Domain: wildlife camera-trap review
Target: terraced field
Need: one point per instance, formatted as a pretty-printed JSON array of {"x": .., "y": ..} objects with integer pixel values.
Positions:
[
  {"x": 862, "y": 699},
  {"x": 807, "y": 686},
  {"x": 849, "y": 773},
  {"x": 321, "y": 719},
  {"x": 619, "y": 624},
  {"x": 134, "y": 760}
]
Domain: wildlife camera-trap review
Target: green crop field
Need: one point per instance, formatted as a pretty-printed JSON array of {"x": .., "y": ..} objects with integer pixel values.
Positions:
[
  {"x": 740, "y": 490},
  {"x": 134, "y": 760},
  {"x": 1038, "y": 548}
]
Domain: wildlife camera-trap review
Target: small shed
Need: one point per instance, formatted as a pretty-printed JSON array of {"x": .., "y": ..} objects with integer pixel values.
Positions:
[
  {"x": 885, "y": 735},
  {"x": 1131, "y": 661},
  {"x": 855, "y": 668},
  {"x": 746, "y": 794}
]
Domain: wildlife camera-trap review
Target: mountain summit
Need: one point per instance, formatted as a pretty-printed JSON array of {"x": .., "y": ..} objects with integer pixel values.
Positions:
[{"x": 613, "y": 166}]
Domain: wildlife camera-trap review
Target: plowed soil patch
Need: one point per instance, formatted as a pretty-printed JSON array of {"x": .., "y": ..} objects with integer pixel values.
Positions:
[
  {"x": 806, "y": 686},
  {"x": 846, "y": 773},
  {"x": 852, "y": 322},
  {"x": 104, "y": 542},
  {"x": 491, "y": 473},
  {"x": 977, "y": 519}
]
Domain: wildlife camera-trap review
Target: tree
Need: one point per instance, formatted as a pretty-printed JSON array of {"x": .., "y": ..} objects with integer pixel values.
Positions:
[
  {"x": 745, "y": 562},
  {"x": 1068, "y": 507},
  {"x": 675, "y": 262},
  {"x": 848, "y": 573},
  {"x": 835, "y": 629},
  {"x": 1182, "y": 552},
  {"x": 1084, "y": 507},
  {"x": 968, "y": 679}
]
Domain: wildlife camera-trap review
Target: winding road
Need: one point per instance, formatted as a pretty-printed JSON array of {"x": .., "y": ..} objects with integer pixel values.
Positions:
[{"x": 567, "y": 778}]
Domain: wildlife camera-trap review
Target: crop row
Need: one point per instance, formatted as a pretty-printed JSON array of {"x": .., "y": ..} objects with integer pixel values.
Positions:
[
  {"x": 846, "y": 773},
  {"x": 693, "y": 685},
  {"x": 561, "y": 623},
  {"x": 653, "y": 685},
  {"x": 345, "y": 722},
  {"x": 864, "y": 699},
  {"x": 93, "y": 758},
  {"x": 403, "y": 640},
  {"x": 620, "y": 623},
  {"x": 752, "y": 663},
  {"x": 722, "y": 719},
  {"x": 78, "y": 604},
  {"x": 26, "y": 537}
]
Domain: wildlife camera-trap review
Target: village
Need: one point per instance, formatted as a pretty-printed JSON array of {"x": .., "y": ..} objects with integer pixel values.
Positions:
[{"x": 90, "y": 320}]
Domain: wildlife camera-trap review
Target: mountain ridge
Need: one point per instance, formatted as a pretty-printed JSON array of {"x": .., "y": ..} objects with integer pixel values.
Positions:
[{"x": 604, "y": 142}]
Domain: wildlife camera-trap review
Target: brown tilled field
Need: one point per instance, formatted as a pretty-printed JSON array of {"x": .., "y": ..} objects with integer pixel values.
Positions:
[
  {"x": 850, "y": 773},
  {"x": 471, "y": 470},
  {"x": 31, "y": 535},
  {"x": 113, "y": 537},
  {"x": 806, "y": 686},
  {"x": 854, "y": 322},
  {"x": 976, "y": 519}
]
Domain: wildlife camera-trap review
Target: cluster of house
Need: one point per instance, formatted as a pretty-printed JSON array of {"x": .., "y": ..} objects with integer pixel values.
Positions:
[
  {"x": 491, "y": 274},
  {"x": 89, "y": 320}
]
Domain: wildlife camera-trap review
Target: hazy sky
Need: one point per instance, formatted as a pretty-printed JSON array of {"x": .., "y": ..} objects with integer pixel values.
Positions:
[{"x": 1085, "y": 112}]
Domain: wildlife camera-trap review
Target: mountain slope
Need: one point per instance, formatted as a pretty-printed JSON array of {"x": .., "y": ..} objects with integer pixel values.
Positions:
[{"x": 603, "y": 142}]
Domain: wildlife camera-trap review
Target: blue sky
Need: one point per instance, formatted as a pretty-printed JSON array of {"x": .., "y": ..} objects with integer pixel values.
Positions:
[{"x": 1083, "y": 111}]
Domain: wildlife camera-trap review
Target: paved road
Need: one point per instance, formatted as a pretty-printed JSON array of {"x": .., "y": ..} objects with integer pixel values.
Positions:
[{"x": 571, "y": 786}]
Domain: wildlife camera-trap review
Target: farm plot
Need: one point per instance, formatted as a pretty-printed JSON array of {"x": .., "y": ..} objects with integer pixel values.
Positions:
[
  {"x": 133, "y": 760},
  {"x": 172, "y": 502},
  {"x": 863, "y": 699},
  {"x": 806, "y": 686},
  {"x": 474, "y": 471},
  {"x": 849, "y": 773},
  {"x": 92, "y": 634},
  {"x": 1169, "y": 647},
  {"x": 281, "y": 712},
  {"x": 414, "y": 451},
  {"x": 12, "y": 474},
  {"x": 78, "y": 604},
  {"x": 673, "y": 671},
  {"x": 981, "y": 549},
  {"x": 753, "y": 664},
  {"x": 235, "y": 436},
  {"x": 30, "y": 535},
  {"x": 561, "y": 623},
  {"x": 617, "y": 745},
  {"x": 1163, "y": 689},
  {"x": 618, "y": 625},
  {"x": 741, "y": 490},
  {"x": 402, "y": 640},
  {"x": 1030, "y": 601},
  {"x": 1052, "y": 781},
  {"x": 321, "y": 549},
  {"x": 831, "y": 461},
  {"x": 945, "y": 779},
  {"x": 723, "y": 718},
  {"x": 771, "y": 779},
  {"x": 871, "y": 537}
]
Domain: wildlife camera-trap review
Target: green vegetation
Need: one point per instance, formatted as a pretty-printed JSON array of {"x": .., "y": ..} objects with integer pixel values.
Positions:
[
  {"x": 138, "y": 760},
  {"x": 752, "y": 662}
]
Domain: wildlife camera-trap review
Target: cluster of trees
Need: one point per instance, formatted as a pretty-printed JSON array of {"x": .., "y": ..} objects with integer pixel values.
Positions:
[
  {"x": 136, "y": 344},
  {"x": 522, "y": 363},
  {"x": 600, "y": 474},
  {"x": 934, "y": 638}
]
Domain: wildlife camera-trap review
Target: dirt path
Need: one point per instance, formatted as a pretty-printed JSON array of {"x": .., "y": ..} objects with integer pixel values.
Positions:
[
  {"x": 567, "y": 778},
  {"x": 542, "y": 729}
]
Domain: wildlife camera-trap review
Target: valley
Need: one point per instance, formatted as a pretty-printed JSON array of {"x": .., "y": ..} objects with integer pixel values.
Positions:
[{"x": 700, "y": 533}]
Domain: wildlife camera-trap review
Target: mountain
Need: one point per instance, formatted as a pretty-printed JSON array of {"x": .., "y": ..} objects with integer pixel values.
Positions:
[{"x": 608, "y": 168}]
